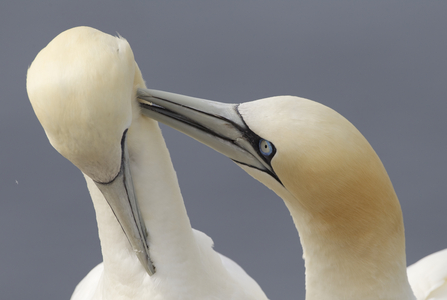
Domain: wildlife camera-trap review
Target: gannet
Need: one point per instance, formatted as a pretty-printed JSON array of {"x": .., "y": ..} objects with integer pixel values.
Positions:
[
  {"x": 82, "y": 87},
  {"x": 338, "y": 192}
]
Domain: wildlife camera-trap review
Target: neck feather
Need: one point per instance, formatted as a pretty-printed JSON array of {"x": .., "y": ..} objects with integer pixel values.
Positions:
[
  {"x": 355, "y": 247},
  {"x": 173, "y": 245}
]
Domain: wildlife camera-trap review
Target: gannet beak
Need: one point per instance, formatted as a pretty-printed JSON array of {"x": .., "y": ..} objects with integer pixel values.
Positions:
[
  {"x": 217, "y": 125},
  {"x": 120, "y": 195}
]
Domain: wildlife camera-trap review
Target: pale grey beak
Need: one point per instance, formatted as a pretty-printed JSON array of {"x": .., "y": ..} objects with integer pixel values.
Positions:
[
  {"x": 217, "y": 125},
  {"x": 120, "y": 195}
]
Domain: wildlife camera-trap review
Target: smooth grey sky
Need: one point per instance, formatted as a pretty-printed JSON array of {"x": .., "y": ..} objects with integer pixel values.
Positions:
[{"x": 381, "y": 64}]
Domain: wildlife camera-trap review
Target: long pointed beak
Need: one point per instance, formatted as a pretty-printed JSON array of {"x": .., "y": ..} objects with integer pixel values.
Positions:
[
  {"x": 120, "y": 195},
  {"x": 217, "y": 125}
]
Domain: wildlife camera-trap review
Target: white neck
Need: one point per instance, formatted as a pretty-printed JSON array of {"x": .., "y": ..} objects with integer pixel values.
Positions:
[
  {"x": 353, "y": 249},
  {"x": 352, "y": 261},
  {"x": 173, "y": 246}
]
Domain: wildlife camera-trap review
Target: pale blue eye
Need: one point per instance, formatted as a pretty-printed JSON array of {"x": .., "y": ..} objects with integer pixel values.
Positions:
[{"x": 265, "y": 147}]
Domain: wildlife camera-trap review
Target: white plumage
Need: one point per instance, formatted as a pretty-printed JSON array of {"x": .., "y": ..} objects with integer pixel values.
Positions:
[
  {"x": 337, "y": 190},
  {"x": 83, "y": 90},
  {"x": 428, "y": 277}
]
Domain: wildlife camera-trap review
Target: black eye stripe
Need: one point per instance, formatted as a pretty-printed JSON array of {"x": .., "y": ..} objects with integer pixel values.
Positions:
[{"x": 255, "y": 141}]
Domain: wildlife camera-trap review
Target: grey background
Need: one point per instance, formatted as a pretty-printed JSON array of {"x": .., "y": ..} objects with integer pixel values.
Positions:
[{"x": 382, "y": 64}]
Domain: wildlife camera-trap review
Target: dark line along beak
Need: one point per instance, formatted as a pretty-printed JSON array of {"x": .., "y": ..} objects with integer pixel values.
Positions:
[
  {"x": 217, "y": 125},
  {"x": 120, "y": 195}
]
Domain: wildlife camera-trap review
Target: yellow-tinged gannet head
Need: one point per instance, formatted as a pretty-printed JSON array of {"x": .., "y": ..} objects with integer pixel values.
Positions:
[
  {"x": 82, "y": 87},
  {"x": 285, "y": 142},
  {"x": 332, "y": 181}
]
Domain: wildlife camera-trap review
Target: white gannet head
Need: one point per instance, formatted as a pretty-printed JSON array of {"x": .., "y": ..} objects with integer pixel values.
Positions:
[
  {"x": 332, "y": 181},
  {"x": 82, "y": 88},
  {"x": 286, "y": 142}
]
